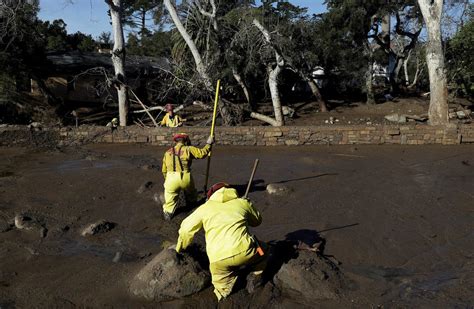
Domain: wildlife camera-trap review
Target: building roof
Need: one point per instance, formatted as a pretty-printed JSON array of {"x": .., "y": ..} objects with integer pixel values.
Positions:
[{"x": 76, "y": 62}]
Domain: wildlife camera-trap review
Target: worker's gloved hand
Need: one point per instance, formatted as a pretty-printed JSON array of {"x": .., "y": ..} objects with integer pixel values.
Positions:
[
  {"x": 172, "y": 247},
  {"x": 210, "y": 140}
]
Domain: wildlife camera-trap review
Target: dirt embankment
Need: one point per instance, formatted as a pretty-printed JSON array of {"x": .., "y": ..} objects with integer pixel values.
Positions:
[{"x": 397, "y": 222}]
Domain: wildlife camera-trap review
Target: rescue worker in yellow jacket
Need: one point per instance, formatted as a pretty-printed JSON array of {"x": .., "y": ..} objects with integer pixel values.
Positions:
[
  {"x": 171, "y": 119},
  {"x": 176, "y": 170},
  {"x": 226, "y": 218}
]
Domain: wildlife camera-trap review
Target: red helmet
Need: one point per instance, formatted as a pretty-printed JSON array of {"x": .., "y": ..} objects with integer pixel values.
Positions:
[
  {"x": 181, "y": 136},
  {"x": 169, "y": 107},
  {"x": 216, "y": 187}
]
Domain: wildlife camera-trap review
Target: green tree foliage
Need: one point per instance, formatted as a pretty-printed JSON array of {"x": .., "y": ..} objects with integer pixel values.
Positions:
[
  {"x": 459, "y": 53},
  {"x": 105, "y": 38},
  {"x": 156, "y": 44},
  {"x": 138, "y": 12}
]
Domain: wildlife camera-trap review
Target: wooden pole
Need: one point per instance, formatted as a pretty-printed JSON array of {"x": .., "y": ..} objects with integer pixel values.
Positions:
[
  {"x": 251, "y": 178},
  {"x": 214, "y": 114}
]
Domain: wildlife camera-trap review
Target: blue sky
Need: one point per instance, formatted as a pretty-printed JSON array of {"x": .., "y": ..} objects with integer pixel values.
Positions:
[{"x": 90, "y": 16}]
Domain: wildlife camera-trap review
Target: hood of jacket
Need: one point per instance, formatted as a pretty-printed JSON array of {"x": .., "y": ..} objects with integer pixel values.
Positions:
[{"x": 224, "y": 195}]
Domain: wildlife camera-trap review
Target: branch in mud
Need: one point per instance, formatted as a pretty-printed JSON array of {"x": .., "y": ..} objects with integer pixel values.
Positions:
[
  {"x": 264, "y": 118},
  {"x": 161, "y": 108},
  {"x": 144, "y": 108},
  {"x": 202, "y": 105}
]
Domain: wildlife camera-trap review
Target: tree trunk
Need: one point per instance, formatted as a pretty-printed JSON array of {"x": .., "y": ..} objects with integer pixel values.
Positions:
[
  {"x": 118, "y": 58},
  {"x": 143, "y": 25},
  {"x": 242, "y": 85},
  {"x": 394, "y": 75},
  {"x": 264, "y": 118},
  {"x": 317, "y": 94},
  {"x": 273, "y": 75},
  {"x": 369, "y": 81},
  {"x": 405, "y": 69},
  {"x": 418, "y": 71},
  {"x": 200, "y": 67},
  {"x": 438, "y": 110},
  {"x": 275, "y": 93}
]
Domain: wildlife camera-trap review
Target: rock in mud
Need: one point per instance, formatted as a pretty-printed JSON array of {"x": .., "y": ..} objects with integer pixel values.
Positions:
[
  {"x": 24, "y": 222},
  {"x": 99, "y": 227},
  {"x": 277, "y": 189},
  {"x": 310, "y": 277},
  {"x": 159, "y": 197},
  {"x": 145, "y": 186},
  {"x": 169, "y": 276}
]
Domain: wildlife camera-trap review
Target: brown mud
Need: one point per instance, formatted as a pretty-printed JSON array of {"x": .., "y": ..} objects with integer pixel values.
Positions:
[{"x": 396, "y": 220}]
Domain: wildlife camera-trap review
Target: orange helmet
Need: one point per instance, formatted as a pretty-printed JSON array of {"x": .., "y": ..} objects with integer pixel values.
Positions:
[
  {"x": 181, "y": 136},
  {"x": 216, "y": 187}
]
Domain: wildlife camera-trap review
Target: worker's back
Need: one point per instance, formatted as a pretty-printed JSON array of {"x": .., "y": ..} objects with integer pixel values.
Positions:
[
  {"x": 179, "y": 158},
  {"x": 225, "y": 219}
]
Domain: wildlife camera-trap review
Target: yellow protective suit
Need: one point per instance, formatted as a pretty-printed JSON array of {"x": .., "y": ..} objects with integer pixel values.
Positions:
[
  {"x": 176, "y": 169},
  {"x": 171, "y": 122},
  {"x": 229, "y": 245}
]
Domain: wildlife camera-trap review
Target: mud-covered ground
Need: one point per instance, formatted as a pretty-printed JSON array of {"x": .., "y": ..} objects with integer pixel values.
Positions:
[{"x": 399, "y": 220}]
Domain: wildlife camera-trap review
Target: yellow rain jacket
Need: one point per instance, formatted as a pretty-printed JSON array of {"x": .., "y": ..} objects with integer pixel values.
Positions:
[
  {"x": 180, "y": 157},
  {"x": 176, "y": 170},
  {"x": 171, "y": 122},
  {"x": 225, "y": 219}
]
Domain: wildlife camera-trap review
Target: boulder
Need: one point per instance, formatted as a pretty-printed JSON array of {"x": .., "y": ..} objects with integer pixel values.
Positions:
[
  {"x": 310, "y": 277},
  {"x": 25, "y": 222},
  {"x": 169, "y": 276},
  {"x": 275, "y": 188},
  {"x": 159, "y": 197},
  {"x": 144, "y": 187},
  {"x": 98, "y": 227}
]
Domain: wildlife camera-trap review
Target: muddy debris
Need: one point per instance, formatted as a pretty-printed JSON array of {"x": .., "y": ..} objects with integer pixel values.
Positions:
[
  {"x": 277, "y": 189},
  {"x": 310, "y": 277},
  {"x": 169, "y": 276},
  {"x": 98, "y": 227},
  {"x": 27, "y": 223},
  {"x": 145, "y": 186}
]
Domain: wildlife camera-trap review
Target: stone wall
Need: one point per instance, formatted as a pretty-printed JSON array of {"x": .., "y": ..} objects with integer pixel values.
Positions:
[{"x": 413, "y": 134}]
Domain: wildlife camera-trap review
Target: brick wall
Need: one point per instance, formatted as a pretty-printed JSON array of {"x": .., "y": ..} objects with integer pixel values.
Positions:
[{"x": 413, "y": 134}]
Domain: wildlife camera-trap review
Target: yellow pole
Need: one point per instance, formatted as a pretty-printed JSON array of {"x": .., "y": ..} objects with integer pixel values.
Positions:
[{"x": 216, "y": 100}]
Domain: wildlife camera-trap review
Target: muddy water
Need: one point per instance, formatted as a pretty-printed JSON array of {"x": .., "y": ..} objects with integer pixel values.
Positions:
[{"x": 397, "y": 219}]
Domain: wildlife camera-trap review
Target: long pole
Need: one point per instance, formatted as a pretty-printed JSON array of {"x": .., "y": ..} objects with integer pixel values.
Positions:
[
  {"x": 255, "y": 165},
  {"x": 251, "y": 178},
  {"x": 214, "y": 114}
]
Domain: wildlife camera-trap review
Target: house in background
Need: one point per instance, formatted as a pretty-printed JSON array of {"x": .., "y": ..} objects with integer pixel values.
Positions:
[{"x": 78, "y": 78}]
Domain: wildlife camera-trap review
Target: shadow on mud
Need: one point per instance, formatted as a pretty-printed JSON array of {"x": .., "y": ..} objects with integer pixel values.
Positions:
[
  {"x": 306, "y": 178},
  {"x": 257, "y": 185}
]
